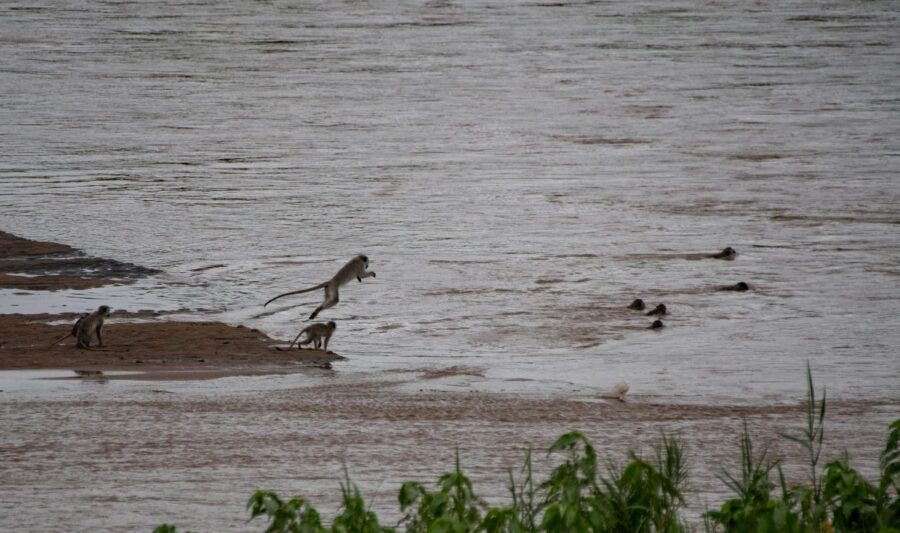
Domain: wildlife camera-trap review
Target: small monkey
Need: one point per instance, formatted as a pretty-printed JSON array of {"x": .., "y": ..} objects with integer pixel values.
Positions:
[
  {"x": 658, "y": 310},
  {"x": 317, "y": 334},
  {"x": 726, "y": 253},
  {"x": 354, "y": 269},
  {"x": 739, "y": 286},
  {"x": 637, "y": 305},
  {"x": 618, "y": 392},
  {"x": 657, "y": 324},
  {"x": 86, "y": 326},
  {"x": 92, "y": 325}
]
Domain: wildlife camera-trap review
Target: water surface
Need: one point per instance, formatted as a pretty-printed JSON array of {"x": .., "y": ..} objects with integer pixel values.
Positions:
[{"x": 517, "y": 172}]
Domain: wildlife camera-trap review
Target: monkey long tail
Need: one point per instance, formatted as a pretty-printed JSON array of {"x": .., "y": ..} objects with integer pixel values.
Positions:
[
  {"x": 61, "y": 339},
  {"x": 301, "y": 291},
  {"x": 280, "y": 349}
]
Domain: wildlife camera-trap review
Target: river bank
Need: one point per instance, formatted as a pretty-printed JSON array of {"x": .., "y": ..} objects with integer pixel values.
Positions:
[{"x": 143, "y": 341}]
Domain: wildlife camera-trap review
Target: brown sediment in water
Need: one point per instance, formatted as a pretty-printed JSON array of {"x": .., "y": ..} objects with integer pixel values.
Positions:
[
  {"x": 12, "y": 246},
  {"x": 49, "y": 283},
  {"x": 663, "y": 256},
  {"x": 164, "y": 349},
  {"x": 295, "y": 440},
  {"x": 819, "y": 220},
  {"x": 451, "y": 371},
  {"x": 49, "y": 266}
]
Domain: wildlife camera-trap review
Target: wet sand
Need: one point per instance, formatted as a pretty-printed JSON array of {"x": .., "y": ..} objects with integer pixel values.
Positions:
[
  {"x": 49, "y": 266},
  {"x": 157, "y": 349},
  {"x": 163, "y": 350}
]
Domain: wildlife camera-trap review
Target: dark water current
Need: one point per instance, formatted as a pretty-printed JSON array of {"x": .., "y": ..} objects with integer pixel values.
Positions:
[{"x": 517, "y": 172}]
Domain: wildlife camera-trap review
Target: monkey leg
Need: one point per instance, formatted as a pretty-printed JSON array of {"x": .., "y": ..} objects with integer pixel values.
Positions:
[{"x": 331, "y": 299}]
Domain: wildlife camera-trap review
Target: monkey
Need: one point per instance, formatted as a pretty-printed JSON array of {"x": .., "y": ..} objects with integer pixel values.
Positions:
[
  {"x": 726, "y": 253},
  {"x": 97, "y": 376},
  {"x": 657, "y": 324},
  {"x": 618, "y": 392},
  {"x": 658, "y": 310},
  {"x": 739, "y": 286},
  {"x": 92, "y": 325},
  {"x": 74, "y": 332},
  {"x": 637, "y": 305},
  {"x": 317, "y": 334},
  {"x": 355, "y": 268},
  {"x": 88, "y": 373},
  {"x": 84, "y": 328}
]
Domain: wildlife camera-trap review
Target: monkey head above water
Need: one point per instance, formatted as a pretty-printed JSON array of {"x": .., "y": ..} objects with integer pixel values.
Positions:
[
  {"x": 658, "y": 310},
  {"x": 739, "y": 286},
  {"x": 726, "y": 253},
  {"x": 657, "y": 324},
  {"x": 637, "y": 305}
]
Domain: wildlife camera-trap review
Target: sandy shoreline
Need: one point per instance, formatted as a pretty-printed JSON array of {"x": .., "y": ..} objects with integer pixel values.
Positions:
[
  {"x": 157, "y": 348},
  {"x": 162, "y": 350},
  {"x": 49, "y": 266}
]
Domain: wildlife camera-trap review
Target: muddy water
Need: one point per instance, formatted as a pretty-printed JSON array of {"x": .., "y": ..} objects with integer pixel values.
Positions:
[
  {"x": 516, "y": 172},
  {"x": 125, "y": 455}
]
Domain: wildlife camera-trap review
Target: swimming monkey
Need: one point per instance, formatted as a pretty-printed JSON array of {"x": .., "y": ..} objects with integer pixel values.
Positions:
[
  {"x": 86, "y": 327},
  {"x": 726, "y": 253},
  {"x": 637, "y": 305},
  {"x": 658, "y": 310},
  {"x": 618, "y": 392},
  {"x": 317, "y": 334},
  {"x": 657, "y": 324},
  {"x": 354, "y": 269},
  {"x": 739, "y": 286}
]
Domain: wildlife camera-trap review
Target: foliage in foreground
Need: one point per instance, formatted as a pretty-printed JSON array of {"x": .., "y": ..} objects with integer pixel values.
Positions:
[{"x": 644, "y": 494}]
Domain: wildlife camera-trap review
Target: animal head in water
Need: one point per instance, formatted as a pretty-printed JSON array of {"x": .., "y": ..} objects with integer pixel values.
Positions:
[
  {"x": 726, "y": 253},
  {"x": 658, "y": 310}
]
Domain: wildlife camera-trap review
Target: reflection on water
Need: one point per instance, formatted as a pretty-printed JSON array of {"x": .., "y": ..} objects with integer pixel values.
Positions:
[{"x": 517, "y": 174}]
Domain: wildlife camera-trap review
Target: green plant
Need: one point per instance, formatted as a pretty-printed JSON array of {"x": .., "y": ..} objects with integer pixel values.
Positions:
[
  {"x": 644, "y": 494},
  {"x": 166, "y": 528},
  {"x": 292, "y": 516},
  {"x": 838, "y": 499},
  {"x": 452, "y": 508},
  {"x": 753, "y": 509},
  {"x": 522, "y": 515}
]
